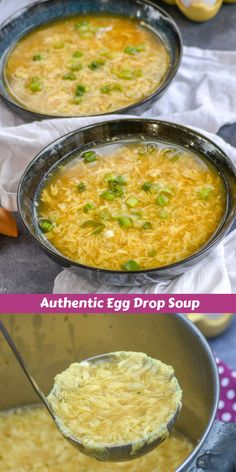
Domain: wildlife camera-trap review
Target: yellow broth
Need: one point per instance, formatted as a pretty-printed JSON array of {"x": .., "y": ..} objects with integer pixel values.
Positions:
[
  {"x": 126, "y": 400},
  {"x": 131, "y": 206},
  {"x": 86, "y": 65},
  {"x": 30, "y": 442}
]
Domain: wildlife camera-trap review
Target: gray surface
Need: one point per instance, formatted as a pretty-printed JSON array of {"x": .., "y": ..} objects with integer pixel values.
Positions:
[{"x": 24, "y": 269}]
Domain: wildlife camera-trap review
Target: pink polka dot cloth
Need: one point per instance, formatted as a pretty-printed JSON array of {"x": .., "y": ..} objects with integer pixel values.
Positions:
[{"x": 227, "y": 403}]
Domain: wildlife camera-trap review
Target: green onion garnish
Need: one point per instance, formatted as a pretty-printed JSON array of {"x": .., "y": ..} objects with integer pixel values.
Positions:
[
  {"x": 45, "y": 224},
  {"x": 88, "y": 207},
  {"x": 104, "y": 214},
  {"x": 80, "y": 90},
  {"x": 89, "y": 156},
  {"x": 125, "y": 222},
  {"x": 132, "y": 202},
  {"x": 36, "y": 84},
  {"x": 152, "y": 253},
  {"x": 81, "y": 187},
  {"x": 146, "y": 186},
  {"x": 38, "y": 57},
  {"x": 76, "y": 66},
  {"x": 162, "y": 200},
  {"x": 108, "y": 195},
  {"x": 77, "y": 54},
  {"x": 147, "y": 225},
  {"x": 163, "y": 214},
  {"x": 131, "y": 266},
  {"x": 59, "y": 45},
  {"x": 133, "y": 50},
  {"x": 96, "y": 64},
  {"x": 205, "y": 192},
  {"x": 69, "y": 76}
]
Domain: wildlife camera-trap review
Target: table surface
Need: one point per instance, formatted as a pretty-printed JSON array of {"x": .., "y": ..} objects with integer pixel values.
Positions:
[{"x": 24, "y": 269}]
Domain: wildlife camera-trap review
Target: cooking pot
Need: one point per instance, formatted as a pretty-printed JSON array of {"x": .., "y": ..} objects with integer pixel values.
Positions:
[{"x": 50, "y": 343}]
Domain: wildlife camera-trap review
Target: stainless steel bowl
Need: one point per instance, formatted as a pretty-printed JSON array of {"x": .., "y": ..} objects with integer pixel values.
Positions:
[{"x": 50, "y": 343}]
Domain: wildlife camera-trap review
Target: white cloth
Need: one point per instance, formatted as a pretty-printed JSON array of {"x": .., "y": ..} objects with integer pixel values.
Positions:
[{"x": 202, "y": 95}]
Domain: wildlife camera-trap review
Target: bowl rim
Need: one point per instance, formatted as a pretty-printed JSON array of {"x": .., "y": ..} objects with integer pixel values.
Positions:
[
  {"x": 171, "y": 72},
  {"x": 212, "y": 241}
]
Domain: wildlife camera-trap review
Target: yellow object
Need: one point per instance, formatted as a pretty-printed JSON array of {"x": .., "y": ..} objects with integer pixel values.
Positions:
[
  {"x": 211, "y": 325},
  {"x": 126, "y": 400},
  {"x": 30, "y": 442},
  {"x": 169, "y": 203},
  {"x": 198, "y": 10}
]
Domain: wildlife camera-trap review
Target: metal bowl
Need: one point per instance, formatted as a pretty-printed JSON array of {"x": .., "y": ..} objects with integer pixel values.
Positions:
[
  {"x": 116, "y": 131},
  {"x": 48, "y": 346},
  {"x": 29, "y": 18}
]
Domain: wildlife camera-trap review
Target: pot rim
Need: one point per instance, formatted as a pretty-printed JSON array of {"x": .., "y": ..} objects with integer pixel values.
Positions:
[{"x": 216, "y": 392}]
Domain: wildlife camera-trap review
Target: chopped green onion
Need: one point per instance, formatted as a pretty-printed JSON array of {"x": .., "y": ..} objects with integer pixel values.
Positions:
[
  {"x": 96, "y": 64},
  {"x": 132, "y": 202},
  {"x": 104, "y": 214},
  {"x": 89, "y": 156},
  {"x": 108, "y": 195},
  {"x": 106, "y": 89},
  {"x": 152, "y": 253},
  {"x": 147, "y": 186},
  {"x": 147, "y": 225},
  {"x": 122, "y": 179},
  {"x": 167, "y": 190},
  {"x": 76, "y": 66},
  {"x": 205, "y": 192},
  {"x": 38, "y": 57},
  {"x": 59, "y": 45},
  {"x": 45, "y": 224},
  {"x": 133, "y": 50},
  {"x": 163, "y": 214},
  {"x": 99, "y": 229},
  {"x": 77, "y": 54},
  {"x": 131, "y": 266},
  {"x": 172, "y": 154},
  {"x": 126, "y": 74},
  {"x": 82, "y": 25},
  {"x": 80, "y": 90},
  {"x": 69, "y": 76},
  {"x": 97, "y": 225},
  {"x": 110, "y": 177},
  {"x": 81, "y": 187},
  {"x": 162, "y": 200},
  {"x": 125, "y": 222},
  {"x": 116, "y": 189},
  {"x": 88, "y": 207},
  {"x": 77, "y": 100},
  {"x": 36, "y": 84}
]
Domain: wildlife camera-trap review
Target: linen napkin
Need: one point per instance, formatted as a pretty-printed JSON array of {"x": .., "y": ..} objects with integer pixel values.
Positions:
[{"x": 202, "y": 95}]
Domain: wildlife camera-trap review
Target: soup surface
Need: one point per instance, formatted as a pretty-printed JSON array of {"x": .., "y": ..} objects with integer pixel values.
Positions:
[
  {"x": 86, "y": 65},
  {"x": 126, "y": 400},
  {"x": 30, "y": 442},
  {"x": 131, "y": 206}
]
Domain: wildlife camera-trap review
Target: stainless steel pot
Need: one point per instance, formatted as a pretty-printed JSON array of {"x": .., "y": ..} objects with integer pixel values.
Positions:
[{"x": 50, "y": 343}]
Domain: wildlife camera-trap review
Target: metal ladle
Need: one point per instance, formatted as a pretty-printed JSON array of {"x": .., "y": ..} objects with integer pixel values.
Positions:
[{"x": 119, "y": 453}]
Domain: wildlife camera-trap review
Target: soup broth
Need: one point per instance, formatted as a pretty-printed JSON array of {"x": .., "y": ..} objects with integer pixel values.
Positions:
[
  {"x": 131, "y": 206},
  {"x": 30, "y": 442},
  {"x": 86, "y": 65},
  {"x": 122, "y": 401}
]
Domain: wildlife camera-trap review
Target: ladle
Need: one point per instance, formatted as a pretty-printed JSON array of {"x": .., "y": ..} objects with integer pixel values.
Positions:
[{"x": 117, "y": 453}]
